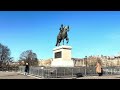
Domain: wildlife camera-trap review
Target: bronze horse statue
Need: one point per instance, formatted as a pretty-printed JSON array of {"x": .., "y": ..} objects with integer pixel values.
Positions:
[{"x": 62, "y": 35}]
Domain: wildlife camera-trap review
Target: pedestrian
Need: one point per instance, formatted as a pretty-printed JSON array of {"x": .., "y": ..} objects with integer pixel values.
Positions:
[
  {"x": 26, "y": 69},
  {"x": 98, "y": 69}
]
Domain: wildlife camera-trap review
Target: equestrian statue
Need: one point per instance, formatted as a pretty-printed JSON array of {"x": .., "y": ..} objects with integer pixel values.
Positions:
[{"x": 62, "y": 35}]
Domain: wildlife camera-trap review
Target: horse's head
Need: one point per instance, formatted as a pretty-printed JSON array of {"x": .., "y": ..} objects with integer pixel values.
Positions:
[{"x": 66, "y": 28}]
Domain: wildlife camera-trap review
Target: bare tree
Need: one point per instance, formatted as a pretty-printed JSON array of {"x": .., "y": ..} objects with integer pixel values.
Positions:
[
  {"x": 4, "y": 54},
  {"x": 29, "y": 57}
]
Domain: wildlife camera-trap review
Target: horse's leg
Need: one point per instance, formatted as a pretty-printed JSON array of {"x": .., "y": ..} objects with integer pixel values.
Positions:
[
  {"x": 67, "y": 39},
  {"x": 63, "y": 41},
  {"x": 59, "y": 42}
]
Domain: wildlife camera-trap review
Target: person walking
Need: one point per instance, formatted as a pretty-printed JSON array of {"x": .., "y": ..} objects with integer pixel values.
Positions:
[
  {"x": 98, "y": 69},
  {"x": 26, "y": 69}
]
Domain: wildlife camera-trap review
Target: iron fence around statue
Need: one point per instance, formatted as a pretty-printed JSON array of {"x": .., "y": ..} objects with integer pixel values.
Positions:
[
  {"x": 9, "y": 68},
  {"x": 68, "y": 72}
]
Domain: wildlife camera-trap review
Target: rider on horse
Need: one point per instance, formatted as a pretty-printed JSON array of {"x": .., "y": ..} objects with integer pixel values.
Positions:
[
  {"x": 62, "y": 35},
  {"x": 61, "y": 29}
]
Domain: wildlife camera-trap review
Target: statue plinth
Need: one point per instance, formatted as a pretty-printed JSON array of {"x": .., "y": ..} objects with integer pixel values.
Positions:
[{"x": 62, "y": 57}]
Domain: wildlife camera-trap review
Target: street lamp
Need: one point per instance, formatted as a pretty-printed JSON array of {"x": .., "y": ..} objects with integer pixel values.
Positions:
[
  {"x": 86, "y": 60},
  {"x": 42, "y": 71},
  {"x": 0, "y": 54},
  {"x": 85, "y": 65}
]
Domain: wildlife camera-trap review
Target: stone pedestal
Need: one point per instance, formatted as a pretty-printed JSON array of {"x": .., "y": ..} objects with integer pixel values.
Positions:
[{"x": 62, "y": 57}]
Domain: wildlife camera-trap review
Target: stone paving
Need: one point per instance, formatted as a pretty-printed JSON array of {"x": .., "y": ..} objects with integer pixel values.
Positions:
[
  {"x": 14, "y": 75},
  {"x": 17, "y": 75},
  {"x": 94, "y": 77},
  {"x": 101, "y": 77}
]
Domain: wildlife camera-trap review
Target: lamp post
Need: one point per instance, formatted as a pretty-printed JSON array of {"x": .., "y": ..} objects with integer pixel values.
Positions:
[
  {"x": 85, "y": 65},
  {"x": 0, "y": 53},
  {"x": 42, "y": 71}
]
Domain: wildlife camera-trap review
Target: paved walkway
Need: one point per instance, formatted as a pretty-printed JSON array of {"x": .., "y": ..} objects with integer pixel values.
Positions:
[
  {"x": 95, "y": 77},
  {"x": 101, "y": 77},
  {"x": 16, "y": 75}
]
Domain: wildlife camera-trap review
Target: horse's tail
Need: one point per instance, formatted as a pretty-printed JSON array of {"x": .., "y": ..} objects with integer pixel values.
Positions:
[
  {"x": 57, "y": 40},
  {"x": 56, "y": 43}
]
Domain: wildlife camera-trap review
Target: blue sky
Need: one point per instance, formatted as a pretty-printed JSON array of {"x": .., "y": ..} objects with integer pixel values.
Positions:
[{"x": 91, "y": 32}]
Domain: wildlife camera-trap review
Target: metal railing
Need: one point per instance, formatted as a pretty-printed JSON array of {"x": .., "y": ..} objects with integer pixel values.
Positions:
[
  {"x": 68, "y": 72},
  {"x": 111, "y": 70},
  {"x": 9, "y": 69}
]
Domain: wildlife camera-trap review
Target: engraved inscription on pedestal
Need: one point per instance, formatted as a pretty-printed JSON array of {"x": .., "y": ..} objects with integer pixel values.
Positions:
[{"x": 58, "y": 54}]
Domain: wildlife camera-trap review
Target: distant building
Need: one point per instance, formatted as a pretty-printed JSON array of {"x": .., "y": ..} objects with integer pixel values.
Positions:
[
  {"x": 91, "y": 61},
  {"x": 46, "y": 62}
]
